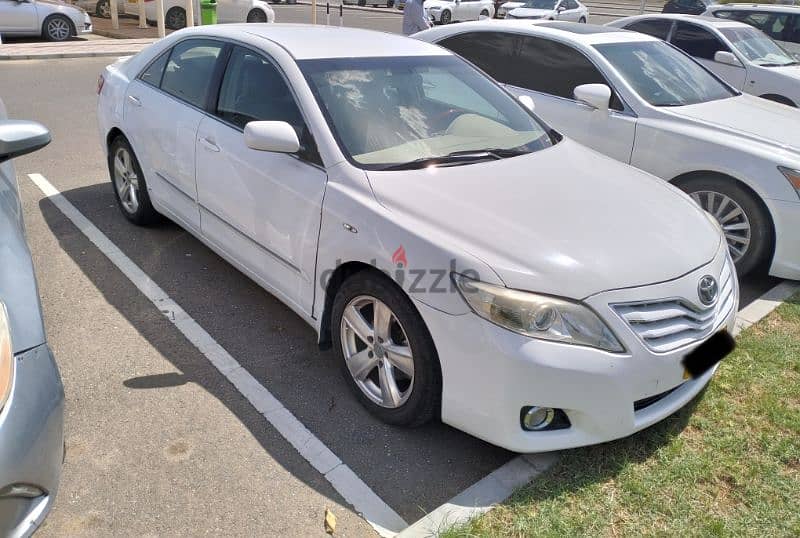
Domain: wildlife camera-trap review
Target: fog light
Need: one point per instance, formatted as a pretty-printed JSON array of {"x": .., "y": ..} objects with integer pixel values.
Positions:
[
  {"x": 537, "y": 418},
  {"x": 21, "y": 490}
]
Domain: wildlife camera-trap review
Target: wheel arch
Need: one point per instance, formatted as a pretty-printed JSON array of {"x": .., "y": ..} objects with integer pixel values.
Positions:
[
  {"x": 73, "y": 31},
  {"x": 337, "y": 278},
  {"x": 112, "y": 134}
]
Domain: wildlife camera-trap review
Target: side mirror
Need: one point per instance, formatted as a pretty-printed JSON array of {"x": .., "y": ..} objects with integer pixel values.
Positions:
[
  {"x": 275, "y": 136},
  {"x": 595, "y": 95},
  {"x": 19, "y": 137},
  {"x": 727, "y": 58},
  {"x": 527, "y": 102}
]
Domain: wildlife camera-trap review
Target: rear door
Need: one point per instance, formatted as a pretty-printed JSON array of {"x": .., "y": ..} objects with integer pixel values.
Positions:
[
  {"x": 163, "y": 109},
  {"x": 701, "y": 44},
  {"x": 18, "y": 17}
]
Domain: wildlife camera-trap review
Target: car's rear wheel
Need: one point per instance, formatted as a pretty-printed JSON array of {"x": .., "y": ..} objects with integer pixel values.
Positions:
[
  {"x": 130, "y": 188},
  {"x": 387, "y": 354},
  {"x": 57, "y": 28},
  {"x": 256, "y": 15},
  {"x": 743, "y": 218},
  {"x": 175, "y": 19},
  {"x": 582, "y": 20},
  {"x": 446, "y": 17},
  {"x": 485, "y": 13},
  {"x": 103, "y": 9}
]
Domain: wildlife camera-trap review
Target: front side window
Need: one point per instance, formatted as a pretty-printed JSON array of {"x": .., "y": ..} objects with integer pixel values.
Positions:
[
  {"x": 188, "y": 72},
  {"x": 254, "y": 90},
  {"x": 663, "y": 76},
  {"x": 392, "y": 113},
  {"x": 757, "y": 47},
  {"x": 696, "y": 41},
  {"x": 652, "y": 27}
]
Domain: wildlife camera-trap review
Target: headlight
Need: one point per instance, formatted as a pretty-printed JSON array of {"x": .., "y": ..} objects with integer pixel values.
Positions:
[
  {"x": 6, "y": 357},
  {"x": 435, "y": 8},
  {"x": 793, "y": 176},
  {"x": 537, "y": 316}
]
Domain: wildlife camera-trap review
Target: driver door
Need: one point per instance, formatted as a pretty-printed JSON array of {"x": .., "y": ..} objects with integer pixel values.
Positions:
[{"x": 18, "y": 16}]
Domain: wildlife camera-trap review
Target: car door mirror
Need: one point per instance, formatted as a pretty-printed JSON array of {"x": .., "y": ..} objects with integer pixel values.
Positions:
[
  {"x": 275, "y": 136},
  {"x": 727, "y": 58},
  {"x": 527, "y": 102},
  {"x": 19, "y": 137},
  {"x": 595, "y": 95}
]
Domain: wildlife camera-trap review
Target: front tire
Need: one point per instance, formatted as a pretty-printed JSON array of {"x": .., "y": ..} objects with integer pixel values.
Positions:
[
  {"x": 175, "y": 19},
  {"x": 256, "y": 15},
  {"x": 446, "y": 17},
  {"x": 130, "y": 187},
  {"x": 744, "y": 219},
  {"x": 57, "y": 28},
  {"x": 484, "y": 13},
  {"x": 386, "y": 353}
]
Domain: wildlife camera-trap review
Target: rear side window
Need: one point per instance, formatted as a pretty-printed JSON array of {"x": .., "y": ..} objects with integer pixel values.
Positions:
[
  {"x": 152, "y": 73},
  {"x": 655, "y": 28},
  {"x": 491, "y": 51},
  {"x": 696, "y": 41},
  {"x": 188, "y": 72}
]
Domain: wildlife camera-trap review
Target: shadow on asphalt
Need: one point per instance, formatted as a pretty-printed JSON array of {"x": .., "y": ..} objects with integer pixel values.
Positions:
[{"x": 413, "y": 470}]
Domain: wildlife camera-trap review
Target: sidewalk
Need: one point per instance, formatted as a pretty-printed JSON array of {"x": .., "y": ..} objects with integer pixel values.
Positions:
[
  {"x": 78, "y": 48},
  {"x": 128, "y": 28}
]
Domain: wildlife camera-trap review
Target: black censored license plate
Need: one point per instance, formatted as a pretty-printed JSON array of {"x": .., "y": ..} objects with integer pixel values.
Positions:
[{"x": 707, "y": 354}]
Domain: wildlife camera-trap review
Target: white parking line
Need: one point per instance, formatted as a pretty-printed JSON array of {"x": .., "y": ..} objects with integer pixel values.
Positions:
[{"x": 366, "y": 502}]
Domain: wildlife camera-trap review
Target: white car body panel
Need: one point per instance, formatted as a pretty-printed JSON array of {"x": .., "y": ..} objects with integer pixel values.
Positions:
[
  {"x": 461, "y": 10},
  {"x": 26, "y": 18},
  {"x": 571, "y": 15},
  {"x": 743, "y": 137},
  {"x": 542, "y": 231},
  {"x": 503, "y": 10},
  {"x": 228, "y": 11}
]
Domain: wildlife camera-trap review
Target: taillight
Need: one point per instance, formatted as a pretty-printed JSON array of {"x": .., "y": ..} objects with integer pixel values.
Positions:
[{"x": 100, "y": 82}]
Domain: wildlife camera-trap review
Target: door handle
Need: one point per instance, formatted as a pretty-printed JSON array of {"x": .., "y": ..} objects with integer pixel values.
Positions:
[
  {"x": 209, "y": 144},
  {"x": 134, "y": 100}
]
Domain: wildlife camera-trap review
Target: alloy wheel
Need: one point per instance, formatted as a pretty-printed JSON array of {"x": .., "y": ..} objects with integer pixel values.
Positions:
[
  {"x": 732, "y": 218},
  {"x": 126, "y": 181},
  {"x": 377, "y": 352},
  {"x": 58, "y": 29},
  {"x": 176, "y": 19}
]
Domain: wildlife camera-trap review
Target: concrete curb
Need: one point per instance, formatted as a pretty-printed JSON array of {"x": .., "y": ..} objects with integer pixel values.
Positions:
[{"x": 65, "y": 55}]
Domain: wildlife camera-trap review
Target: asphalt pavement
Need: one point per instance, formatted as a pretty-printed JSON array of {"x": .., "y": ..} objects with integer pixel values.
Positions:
[{"x": 158, "y": 442}]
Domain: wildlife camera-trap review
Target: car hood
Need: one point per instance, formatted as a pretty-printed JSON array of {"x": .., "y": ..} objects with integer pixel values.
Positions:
[
  {"x": 565, "y": 221},
  {"x": 749, "y": 116},
  {"x": 530, "y": 12}
]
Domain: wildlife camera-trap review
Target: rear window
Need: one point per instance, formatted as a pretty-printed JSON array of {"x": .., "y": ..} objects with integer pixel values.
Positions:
[{"x": 655, "y": 28}]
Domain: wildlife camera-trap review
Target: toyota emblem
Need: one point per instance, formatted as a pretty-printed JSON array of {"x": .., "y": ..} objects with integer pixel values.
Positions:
[{"x": 707, "y": 290}]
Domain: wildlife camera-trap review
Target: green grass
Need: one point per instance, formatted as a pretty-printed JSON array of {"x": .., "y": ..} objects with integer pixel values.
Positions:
[{"x": 726, "y": 465}]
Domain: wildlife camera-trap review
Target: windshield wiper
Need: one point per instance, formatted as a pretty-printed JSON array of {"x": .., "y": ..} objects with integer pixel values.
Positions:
[{"x": 457, "y": 158}]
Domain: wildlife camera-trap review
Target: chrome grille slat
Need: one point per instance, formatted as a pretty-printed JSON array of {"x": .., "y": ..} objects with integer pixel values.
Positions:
[{"x": 668, "y": 324}]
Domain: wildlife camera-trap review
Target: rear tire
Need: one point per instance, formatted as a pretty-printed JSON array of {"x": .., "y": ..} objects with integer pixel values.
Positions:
[
  {"x": 256, "y": 15},
  {"x": 126, "y": 176},
  {"x": 57, "y": 28},
  {"x": 416, "y": 398},
  {"x": 750, "y": 235},
  {"x": 175, "y": 19}
]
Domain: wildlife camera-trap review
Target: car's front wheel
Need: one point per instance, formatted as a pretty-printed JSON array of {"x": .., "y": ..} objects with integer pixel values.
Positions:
[
  {"x": 582, "y": 20},
  {"x": 446, "y": 17},
  {"x": 387, "y": 354},
  {"x": 175, "y": 19},
  {"x": 485, "y": 13},
  {"x": 130, "y": 188},
  {"x": 57, "y": 28},
  {"x": 743, "y": 218}
]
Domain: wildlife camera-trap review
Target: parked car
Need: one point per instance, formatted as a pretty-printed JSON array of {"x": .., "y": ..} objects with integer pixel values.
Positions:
[
  {"x": 227, "y": 11},
  {"x": 102, "y": 8},
  {"x": 780, "y": 22},
  {"x": 387, "y": 3},
  {"x": 52, "y": 20},
  {"x": 31, "y": 393},
  {"x": 641, "y": 101},
  {"x": 465, "y": 260},
  {"x": 551, "y": 10},
  {"x": 688, "y": 7},
  {"x": 744, "y": 57},
  {"x": 505, "y": 7},
  {"x": 447, "y": 11}
]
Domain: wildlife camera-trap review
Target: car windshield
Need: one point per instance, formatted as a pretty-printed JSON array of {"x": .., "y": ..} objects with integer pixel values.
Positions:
[
  {"x": 405, "y": 111},
  {"x": 662, "y": 75},
  {"x": 540, "y": 4},
  {"x": 757, "y": 47}
]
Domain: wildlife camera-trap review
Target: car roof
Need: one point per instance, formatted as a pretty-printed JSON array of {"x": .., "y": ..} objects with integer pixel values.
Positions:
[
  {"x": 586, "y": 34},
  {"x": 711, "y": 22},
  {"x": 308, "y": 41},
  {"x": 783, "y": 8}
]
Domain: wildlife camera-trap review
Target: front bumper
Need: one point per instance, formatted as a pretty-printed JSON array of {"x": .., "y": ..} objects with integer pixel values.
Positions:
[
  {"x": 489, "y": 374},
  {"x": 84, "y": 26},
  {"x": 31, "y": 441},
  {"x": 786, "y": 217}
]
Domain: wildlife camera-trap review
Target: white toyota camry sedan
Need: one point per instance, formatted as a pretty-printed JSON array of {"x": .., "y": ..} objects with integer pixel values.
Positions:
[
  {"x": 465, "y": 260},
  {"x": 641, "y": 101}
]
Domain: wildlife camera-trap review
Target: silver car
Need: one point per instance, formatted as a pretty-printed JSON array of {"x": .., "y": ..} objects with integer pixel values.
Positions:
[
  {"x": 50, "y": 19},
  {"x": 31, "y": 393}
]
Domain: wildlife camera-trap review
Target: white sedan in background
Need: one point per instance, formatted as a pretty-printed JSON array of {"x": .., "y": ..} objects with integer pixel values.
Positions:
[
  {"x": 227, "y": 11},
  {"x": 52, "y": 20},
  {"x": 743, "y": 56},
  {"x": 504, "y": 8},
  {"x": 551, "y": 10},
  {"x": 464, "y": 260},
  {"x": 641, "y": 101},
  {"x": 447, "y": 11}
]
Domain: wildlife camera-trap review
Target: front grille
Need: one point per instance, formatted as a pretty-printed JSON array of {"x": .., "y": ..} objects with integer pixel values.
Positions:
[{"x": 668, "y": 324}]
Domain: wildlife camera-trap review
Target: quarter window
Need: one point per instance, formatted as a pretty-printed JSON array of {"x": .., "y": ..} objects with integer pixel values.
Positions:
[
  {"x": 189, "y": 70},
  {"x": 152, "y": 73},
  {"x": 696, "y": 41}
]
